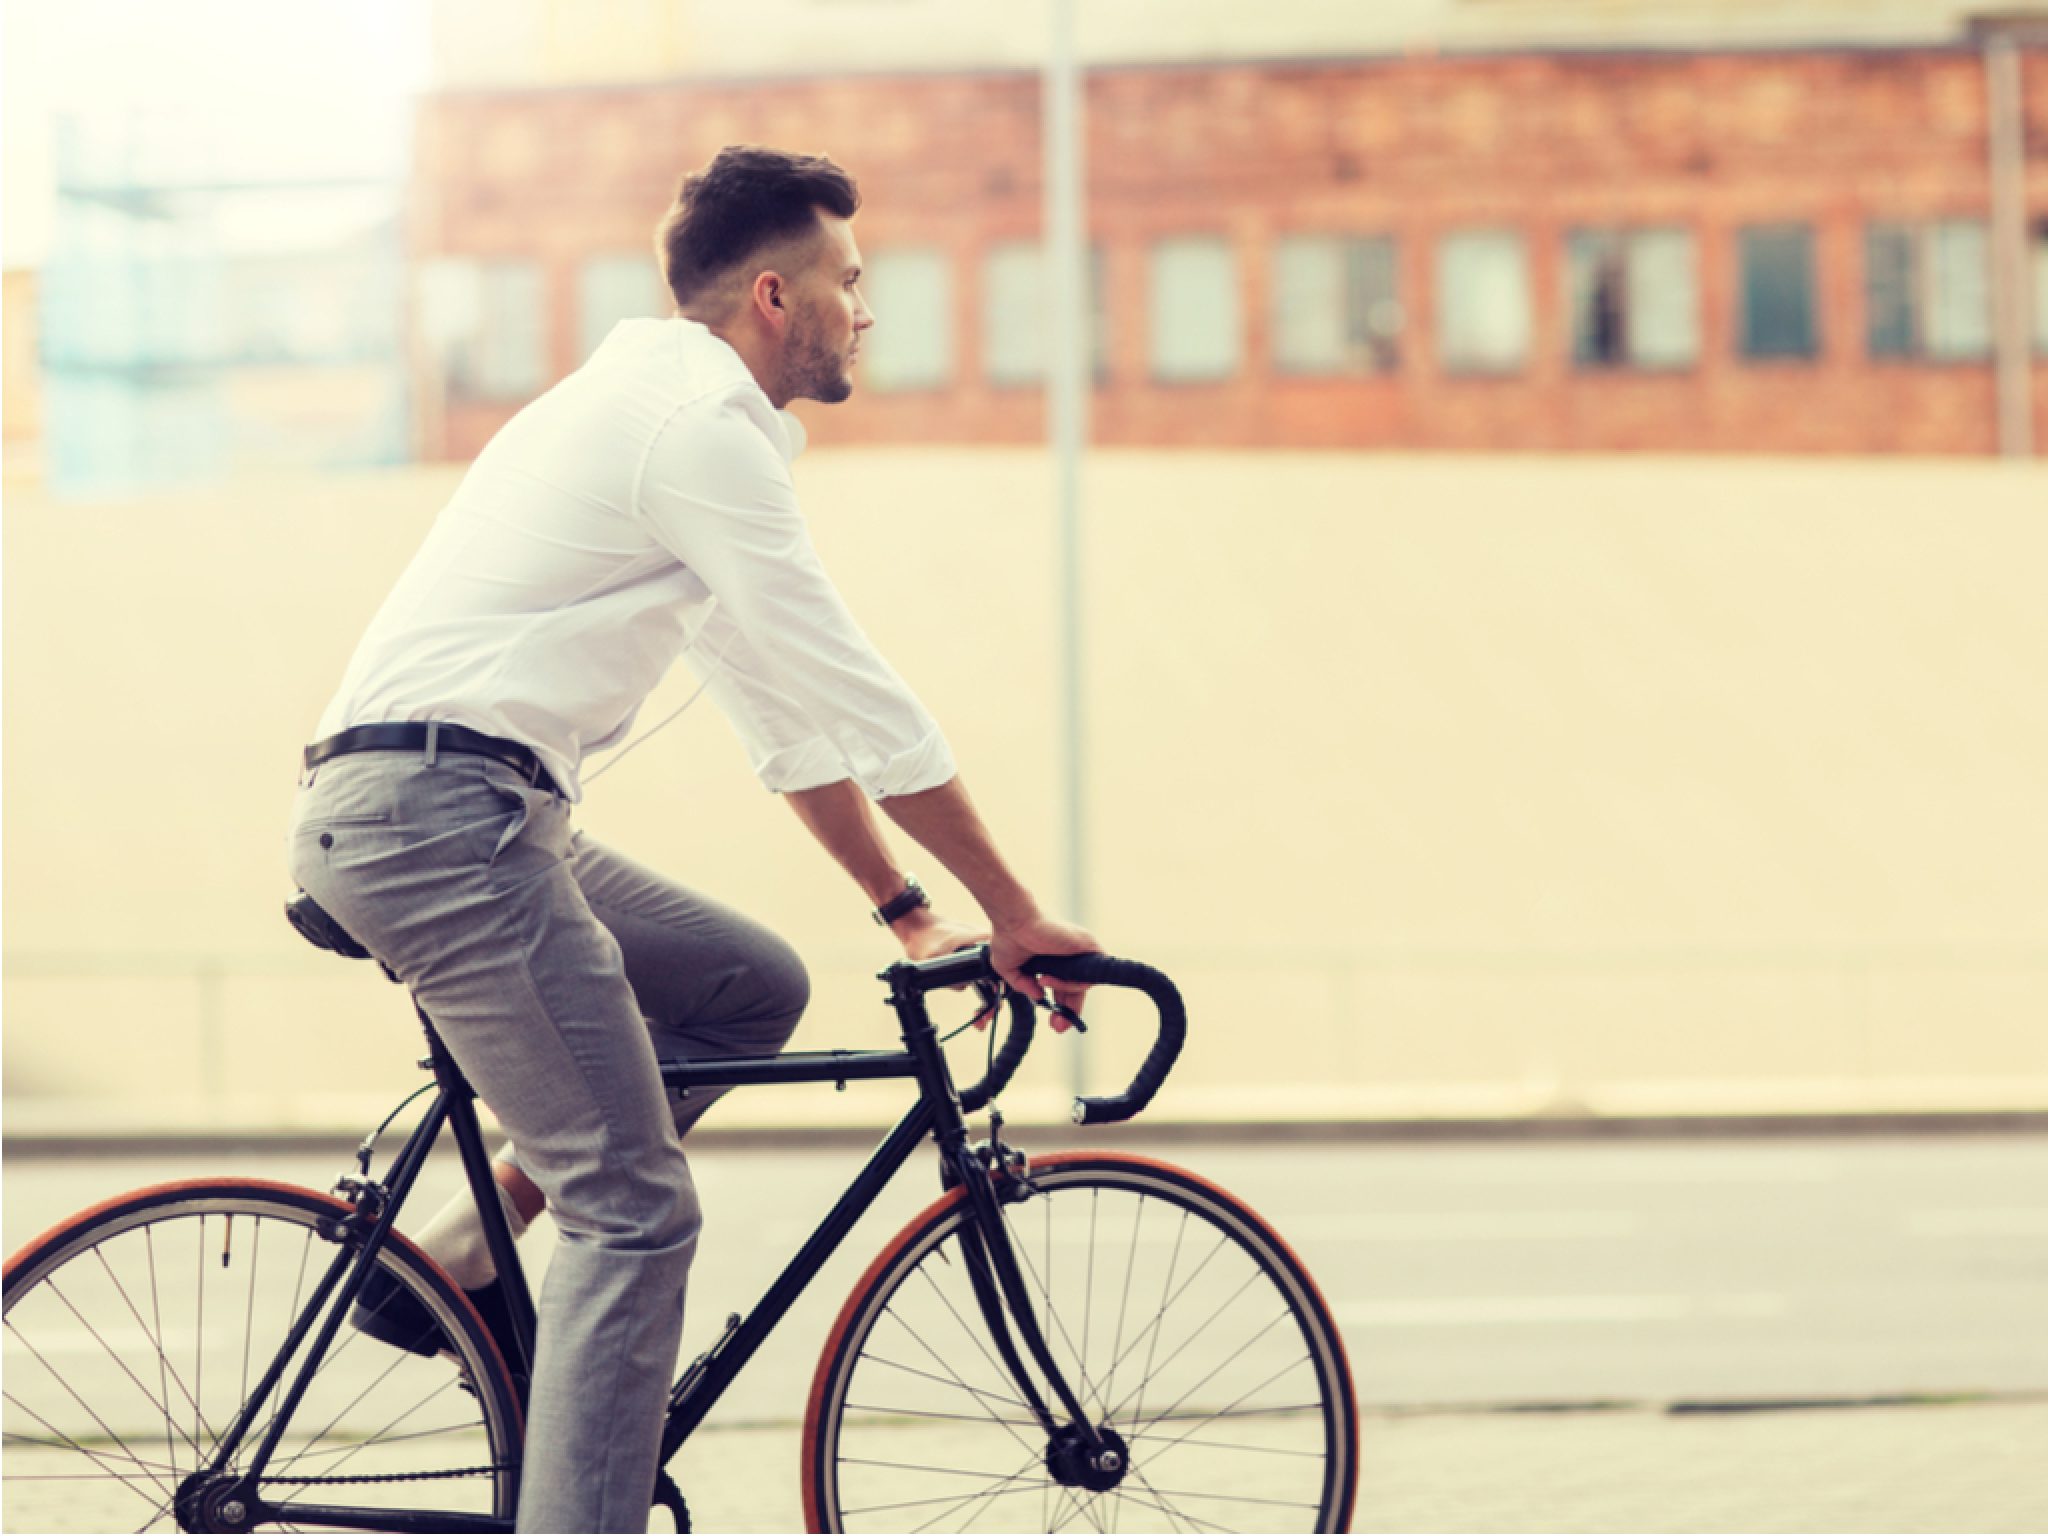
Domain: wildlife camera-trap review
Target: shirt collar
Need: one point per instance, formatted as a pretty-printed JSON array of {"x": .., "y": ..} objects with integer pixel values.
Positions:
[{"x": 789, "y": 436}]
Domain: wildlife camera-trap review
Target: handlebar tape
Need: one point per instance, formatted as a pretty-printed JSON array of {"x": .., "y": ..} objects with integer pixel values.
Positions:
[
  {"x": 1015, "y": 1043},
  {"x": 1108, "y": 971}
]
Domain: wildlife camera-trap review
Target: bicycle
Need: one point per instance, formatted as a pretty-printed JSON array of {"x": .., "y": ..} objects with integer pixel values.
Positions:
[{"x": 981, "y": 1370}]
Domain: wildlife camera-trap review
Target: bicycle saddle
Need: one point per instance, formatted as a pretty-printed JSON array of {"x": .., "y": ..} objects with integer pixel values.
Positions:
[{"x": 318, "y": 928}]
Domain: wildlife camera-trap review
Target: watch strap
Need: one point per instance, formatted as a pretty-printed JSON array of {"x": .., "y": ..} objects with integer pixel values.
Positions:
[{"x": 909, "y": 899}]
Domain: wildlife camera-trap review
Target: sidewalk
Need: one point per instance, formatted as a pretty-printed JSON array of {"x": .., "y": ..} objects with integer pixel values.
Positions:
[{"x": 1966, "y": 1466}]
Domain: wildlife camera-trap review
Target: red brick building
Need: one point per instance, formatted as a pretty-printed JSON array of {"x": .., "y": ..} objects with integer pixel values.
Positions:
[{"x": 1784, "y": 250}]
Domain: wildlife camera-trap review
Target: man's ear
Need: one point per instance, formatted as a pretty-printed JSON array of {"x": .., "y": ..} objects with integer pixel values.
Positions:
[{"x": 770, "y": 293}]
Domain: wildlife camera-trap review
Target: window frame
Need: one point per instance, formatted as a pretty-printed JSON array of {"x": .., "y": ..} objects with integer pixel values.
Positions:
[
  {"x": 1382, "y": 354},
  {"x": 1816, "y": 341},
  {"x": 1234, "y": 328},
  {"x": 1462, "y": 368},
  {"x": 947, "y": 311},
  {"x": 1624, "y": 239},
  {"x": 1101, "y": 354},
  {"x": 1920, "y": 275}
]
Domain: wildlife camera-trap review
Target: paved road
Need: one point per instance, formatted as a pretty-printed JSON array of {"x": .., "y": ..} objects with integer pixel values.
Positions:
[
  {"x": 1646, "y": 1273},
  {"x": 1481, "y": 1274}
]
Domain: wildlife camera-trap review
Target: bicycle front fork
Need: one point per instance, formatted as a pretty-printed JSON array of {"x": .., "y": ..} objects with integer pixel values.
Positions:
[{"x": 1079, "y": 1451}]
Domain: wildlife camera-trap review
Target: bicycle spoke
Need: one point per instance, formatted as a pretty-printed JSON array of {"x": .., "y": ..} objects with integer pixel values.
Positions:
[
  {"x": 379, "y": 1435},
  {"x": 1186, "y": 1519},
  {"x": 283, "y": 1385},
  {"x": 474, "y": 1426},
  {"x": 163, "y": 1384},
  {"x": 163, "y": 1356},
  {"x": 98, "y": 1339},
  {"x": 1152, "y": 1328},
  {"x": 1045, "y": 1291},
  {"x": 955, "y": 1381},
  {"x": 1123, "y": 1305},
  {"x": 1196, "y": 1351},
  {"x": 103, "y": 1293},
  {"x": 1219, "y": 1445},
  {"x": 944, "y": 1498},
  {"x": 109, "y": 1433},
  {"x": 63, "y": 1442},
  {"x": 973, "y": 1337},
  {"x": 325, "y": 1429},
  {"x": 1224, "y": 1362},
  {"x": 1291, "y": 1365},
  {"x": 926, "y": 1413},
  {"x": 249, "y": 1318},
  {"x": 199, "y": 1338},
  {"x": 167, "y": 1366},
  {"x": 987, "y": 1496},
  {"x": 96, "y": 1458},
  {"x": 978, "y": 1396},
  {"x": 1199, "y": 1330},
  {"x": 1088, "y": 1290}
]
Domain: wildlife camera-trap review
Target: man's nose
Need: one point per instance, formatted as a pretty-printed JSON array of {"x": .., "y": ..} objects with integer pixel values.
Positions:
[{"x": 863, "y": 317}]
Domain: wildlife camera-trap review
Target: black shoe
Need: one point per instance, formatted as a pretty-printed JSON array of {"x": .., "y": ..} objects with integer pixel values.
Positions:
[{"x": 392, "y": 1315}]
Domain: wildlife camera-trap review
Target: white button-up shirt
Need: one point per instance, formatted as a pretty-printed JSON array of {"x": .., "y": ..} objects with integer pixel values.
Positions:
[{"x": 641, "y": 505}]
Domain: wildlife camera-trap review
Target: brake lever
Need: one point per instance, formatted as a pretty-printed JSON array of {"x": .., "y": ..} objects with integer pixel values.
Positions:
[{"x": 1061, "y": 1010}]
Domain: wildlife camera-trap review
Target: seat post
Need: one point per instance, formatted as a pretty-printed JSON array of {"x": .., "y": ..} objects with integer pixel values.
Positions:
[{"x": 440, "y": 1063}]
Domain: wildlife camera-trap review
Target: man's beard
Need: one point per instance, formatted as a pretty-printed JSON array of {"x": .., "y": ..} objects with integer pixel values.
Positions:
[{"x": 812, "y": 370}]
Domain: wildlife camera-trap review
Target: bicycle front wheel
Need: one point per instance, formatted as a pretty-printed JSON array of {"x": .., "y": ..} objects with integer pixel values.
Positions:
[
  {"x": 1185, "y": 1326},
  {"x": 137, "y": 1331}
]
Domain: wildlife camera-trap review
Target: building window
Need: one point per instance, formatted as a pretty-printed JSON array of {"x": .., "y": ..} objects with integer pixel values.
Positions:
[
  {"x": 1194, "y": 310},
  {"x": 615, "y": 288},
  {"x": 910, "y": 291},
  {"x": 2039, "y": 252},
  {"x": 1777, "y": 292},
  {"x": 1015, "y": 334},
  {"x": 1482, "y": 298},
  {"x": 485, "y": 322},
  {"x": 1634, "y": 298},
  {"x": 1336, "y": 305},
  {"x": 1928, "y": 290}
]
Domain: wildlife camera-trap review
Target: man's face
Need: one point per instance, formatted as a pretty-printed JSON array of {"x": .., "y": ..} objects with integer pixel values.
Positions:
[{"x": 826, "y": 317}]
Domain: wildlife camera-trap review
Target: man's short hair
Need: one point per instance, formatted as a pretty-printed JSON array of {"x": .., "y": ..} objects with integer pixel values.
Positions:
[{"x": 746, "y": 199}]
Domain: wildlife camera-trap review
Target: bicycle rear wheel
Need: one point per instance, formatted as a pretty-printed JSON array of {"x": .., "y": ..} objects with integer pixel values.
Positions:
[
  {"x": 136, "y": 1331},
  {"x": 1184, "y": 1324}
]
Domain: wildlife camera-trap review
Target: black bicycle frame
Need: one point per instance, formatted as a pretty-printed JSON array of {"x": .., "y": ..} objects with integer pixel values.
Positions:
[{"x": 992, "y": 1266}]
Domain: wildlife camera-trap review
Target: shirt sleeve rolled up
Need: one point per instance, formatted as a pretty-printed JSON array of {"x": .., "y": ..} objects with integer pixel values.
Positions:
[{"x": 811, "y": 698}]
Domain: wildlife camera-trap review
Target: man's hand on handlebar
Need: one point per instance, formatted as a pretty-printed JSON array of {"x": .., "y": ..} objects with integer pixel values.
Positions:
[
  {"x": 1015, "y": 944},
  {"x": 925, "y": 935}
]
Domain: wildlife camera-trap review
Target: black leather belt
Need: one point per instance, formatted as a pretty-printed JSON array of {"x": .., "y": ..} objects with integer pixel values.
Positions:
[{"x": 413, "y": 736}]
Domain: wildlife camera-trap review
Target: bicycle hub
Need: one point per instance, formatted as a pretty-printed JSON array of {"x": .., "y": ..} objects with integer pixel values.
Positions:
[{"x": 1073, "y": 1465}]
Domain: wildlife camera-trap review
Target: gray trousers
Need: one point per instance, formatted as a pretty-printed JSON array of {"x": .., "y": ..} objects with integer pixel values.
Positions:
[{"x": 555, "y": 969}]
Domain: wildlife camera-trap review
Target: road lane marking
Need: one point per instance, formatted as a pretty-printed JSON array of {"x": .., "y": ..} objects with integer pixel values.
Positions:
[{"x": 1465, "y": 1311}]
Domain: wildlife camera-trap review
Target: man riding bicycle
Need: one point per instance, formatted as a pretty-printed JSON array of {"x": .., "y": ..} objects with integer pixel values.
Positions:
[{"x": 641, "y": 506}]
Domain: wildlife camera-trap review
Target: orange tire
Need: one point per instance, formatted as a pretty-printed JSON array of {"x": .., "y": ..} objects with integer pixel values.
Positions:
[
  {"x": 139, "y": 1330},
  {"x": 1308, "y": 1483}
]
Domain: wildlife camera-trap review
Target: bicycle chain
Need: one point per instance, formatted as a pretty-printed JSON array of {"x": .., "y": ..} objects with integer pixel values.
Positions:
[{"x": 393, "y": 1477}]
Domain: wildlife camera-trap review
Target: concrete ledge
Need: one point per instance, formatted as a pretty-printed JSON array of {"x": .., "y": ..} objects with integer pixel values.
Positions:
[{"x": 147, "y": 1141}]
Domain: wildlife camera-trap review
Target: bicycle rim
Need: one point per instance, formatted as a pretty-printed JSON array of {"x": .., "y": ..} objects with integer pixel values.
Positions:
[
  {"x": 1183, "y": 1323},
  {"x": 135, "y": 1332}
]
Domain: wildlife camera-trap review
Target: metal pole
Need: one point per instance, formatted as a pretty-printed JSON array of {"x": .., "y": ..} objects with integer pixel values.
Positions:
[
  {"x": 1067, "y": 419},
  {"x": 2011, "y": 342}
]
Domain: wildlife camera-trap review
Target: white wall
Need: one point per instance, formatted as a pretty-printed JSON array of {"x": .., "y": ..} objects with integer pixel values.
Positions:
[{"x": 1443, "y": 786}]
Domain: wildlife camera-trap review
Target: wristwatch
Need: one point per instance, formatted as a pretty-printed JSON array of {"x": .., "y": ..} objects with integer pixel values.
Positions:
[{"x": 911, "y": 898}]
